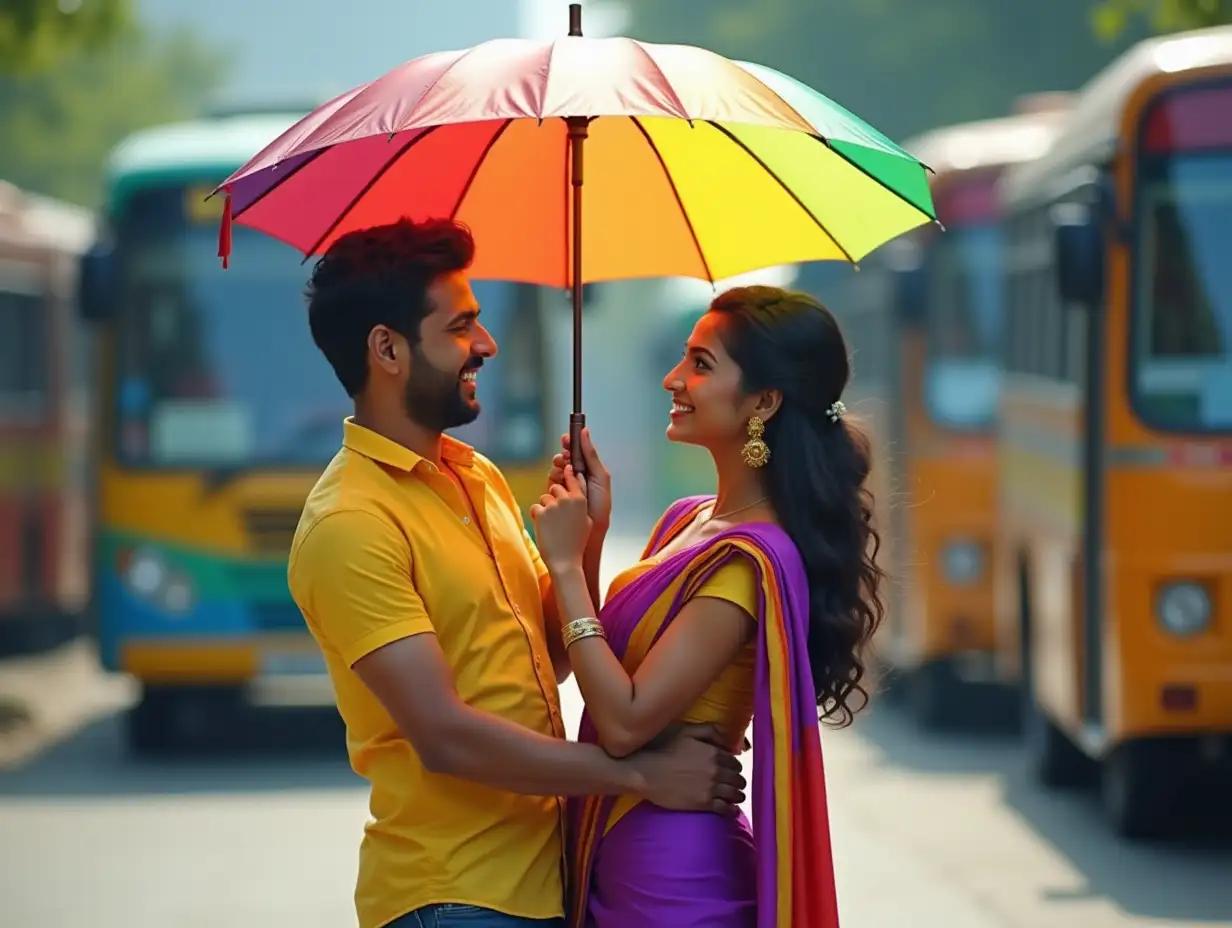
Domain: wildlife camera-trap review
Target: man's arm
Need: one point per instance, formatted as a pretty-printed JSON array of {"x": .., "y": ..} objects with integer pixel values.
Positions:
[
  {"x": 415, "y": 684},
  {"x": 352, "y": 573}
]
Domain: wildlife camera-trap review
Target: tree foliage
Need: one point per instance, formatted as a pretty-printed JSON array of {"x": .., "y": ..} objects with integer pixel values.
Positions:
[
  {"x": 36, "y": 34},
  {"x": 1112, "y": 17},
  {"x": 59, "y": 125},
  {"x": 905, "y": 65}
]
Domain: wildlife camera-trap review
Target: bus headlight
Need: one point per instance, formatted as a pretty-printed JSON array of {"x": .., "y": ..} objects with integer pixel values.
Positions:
[
  {"x": 150, "y": 578},
  {"x": 962, "y": 562},
  {"x": 1184, "y": 608}
]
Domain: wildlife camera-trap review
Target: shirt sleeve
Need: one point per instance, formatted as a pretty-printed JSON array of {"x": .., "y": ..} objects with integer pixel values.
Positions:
[
  {"x": 351, "y": 577},
  {"x": 736, "y": 582}
]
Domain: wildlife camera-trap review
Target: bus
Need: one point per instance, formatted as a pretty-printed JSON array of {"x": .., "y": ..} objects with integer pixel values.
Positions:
[
  {"x": 924, "y": 319},
  {"x": 217, "y": 414},
  {"x": 1115, "y": 438},
  {"x": 44, "y": 578}
]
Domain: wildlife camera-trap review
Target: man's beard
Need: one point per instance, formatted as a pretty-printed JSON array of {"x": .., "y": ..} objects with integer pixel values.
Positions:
[{"x": 433, "y": 398}]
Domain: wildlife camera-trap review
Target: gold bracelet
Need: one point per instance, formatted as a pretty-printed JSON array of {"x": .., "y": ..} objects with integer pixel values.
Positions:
[{"x": 579, "y": 629}]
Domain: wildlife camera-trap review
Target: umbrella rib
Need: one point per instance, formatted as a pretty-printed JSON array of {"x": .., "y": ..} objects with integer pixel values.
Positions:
[
  {"x": 671, "y": 182},
  {"x": 786, "y": 189},
  {"x": 483, "y": 156},
  {"x": 278, "y": 183},
  {"x": 372, "y": 182},
  {"x": 877, "y": 180}
]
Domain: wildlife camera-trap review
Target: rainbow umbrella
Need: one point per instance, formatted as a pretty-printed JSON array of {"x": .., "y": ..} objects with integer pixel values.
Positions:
[{"x": 583, "y": 160}]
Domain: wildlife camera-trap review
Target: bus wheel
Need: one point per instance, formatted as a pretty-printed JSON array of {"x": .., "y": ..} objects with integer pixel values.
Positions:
[
  {"x": 172, "y": 718},
  {"x": 1056, "y": 761},
  {"x": 935, "y": 693},
  {"x": 148, "y": 727},
  {"x": 1140, "y": 789}
]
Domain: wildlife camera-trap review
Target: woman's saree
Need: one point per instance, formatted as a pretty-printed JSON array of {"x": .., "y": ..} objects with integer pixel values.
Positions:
[{"x": 795, "y": 885}]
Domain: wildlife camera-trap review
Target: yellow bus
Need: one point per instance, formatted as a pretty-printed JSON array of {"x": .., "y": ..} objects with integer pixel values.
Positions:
[
  {"x": 924, "y": 318},
  {"x": 1115, "y": 570},
  {"x": 217, "y": 414}
]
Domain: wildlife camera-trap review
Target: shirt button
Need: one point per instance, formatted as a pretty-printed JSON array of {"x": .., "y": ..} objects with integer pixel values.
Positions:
[
  {"x": 466, "y": 520},
  {"x": 517, "y": 612}
]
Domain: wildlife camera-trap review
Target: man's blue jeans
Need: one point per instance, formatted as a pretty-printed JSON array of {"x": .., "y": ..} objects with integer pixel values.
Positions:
[{"x": 453, "y": 915}]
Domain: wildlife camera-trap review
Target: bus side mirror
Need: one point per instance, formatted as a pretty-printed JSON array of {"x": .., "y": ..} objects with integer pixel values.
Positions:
[
  {"x": 96, "y": 283},
  {"x": 1079, "y": 252}
]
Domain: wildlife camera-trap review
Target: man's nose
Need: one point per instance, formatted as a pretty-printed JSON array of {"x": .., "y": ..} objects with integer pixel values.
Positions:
[{"x": 485, "y": 345}]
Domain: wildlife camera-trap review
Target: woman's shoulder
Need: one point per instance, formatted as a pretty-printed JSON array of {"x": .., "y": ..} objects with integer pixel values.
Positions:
[
  {"x": 686, "y": 504},
  {"x": 767, "y": 538}
]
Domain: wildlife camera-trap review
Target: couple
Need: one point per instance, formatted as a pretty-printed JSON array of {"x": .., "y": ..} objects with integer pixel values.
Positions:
[{"x": 446, "y": 630}]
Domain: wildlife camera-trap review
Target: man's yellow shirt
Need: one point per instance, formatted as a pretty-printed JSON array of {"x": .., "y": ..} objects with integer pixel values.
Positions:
[{"x": 387, "y": 548}]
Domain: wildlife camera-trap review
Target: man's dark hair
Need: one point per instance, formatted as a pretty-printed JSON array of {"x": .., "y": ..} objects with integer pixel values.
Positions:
[{"x": 379, "y": 276}]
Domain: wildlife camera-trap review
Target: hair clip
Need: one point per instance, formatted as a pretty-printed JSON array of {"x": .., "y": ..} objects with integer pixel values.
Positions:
[{"x": 836, "y": 410}]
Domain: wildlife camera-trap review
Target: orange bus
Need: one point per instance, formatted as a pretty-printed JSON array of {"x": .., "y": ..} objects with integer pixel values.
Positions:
[
  {"x": 44, "y": 585},
  {"x": 1114, "y": 575},
  {"x": 924, "y": 319}
]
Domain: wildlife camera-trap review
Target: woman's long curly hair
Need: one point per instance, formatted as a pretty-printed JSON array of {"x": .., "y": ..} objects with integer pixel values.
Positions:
[{"x": 816, "y": 477}]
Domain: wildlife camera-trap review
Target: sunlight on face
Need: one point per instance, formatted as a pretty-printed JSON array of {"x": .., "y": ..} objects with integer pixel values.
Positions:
[{"x": 707, "y": 399}]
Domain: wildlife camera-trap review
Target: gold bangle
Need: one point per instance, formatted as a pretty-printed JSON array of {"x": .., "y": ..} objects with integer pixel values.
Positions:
[{"x": 581, "y": 628}]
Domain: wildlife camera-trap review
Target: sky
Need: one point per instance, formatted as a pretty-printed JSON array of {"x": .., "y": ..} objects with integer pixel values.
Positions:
[{"x": 318, "y": 48}]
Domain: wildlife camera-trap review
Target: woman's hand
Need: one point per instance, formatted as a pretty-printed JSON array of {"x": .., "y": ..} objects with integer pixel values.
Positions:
[
  {"x": 562, "y": 523},
  {"x": 598, "y": 480}
]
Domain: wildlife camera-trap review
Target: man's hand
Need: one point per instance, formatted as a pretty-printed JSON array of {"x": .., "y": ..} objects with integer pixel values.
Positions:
[
  {"x": 598, "y": 480},
  {"x": 691, "y": 772}
]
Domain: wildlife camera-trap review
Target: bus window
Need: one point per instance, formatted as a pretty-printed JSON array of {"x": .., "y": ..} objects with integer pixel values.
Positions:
[
  {"x": 216, "y": 368},
  {"x": 24, "y": 369},
  {"x": 1182, "y": 359},
  {"x": 964, "y": 327}
]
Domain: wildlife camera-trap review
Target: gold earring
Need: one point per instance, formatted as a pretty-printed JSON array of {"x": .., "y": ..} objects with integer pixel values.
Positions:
[{"x": 755, "y": 451}]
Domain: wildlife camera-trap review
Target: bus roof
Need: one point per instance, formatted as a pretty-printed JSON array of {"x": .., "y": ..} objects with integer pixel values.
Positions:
[
  {"x": 1090, "y": 130},
  {"x": 51, "y": 223},
  {"x": 987, "y": 143},
  {"x": 194, "y": 149}
]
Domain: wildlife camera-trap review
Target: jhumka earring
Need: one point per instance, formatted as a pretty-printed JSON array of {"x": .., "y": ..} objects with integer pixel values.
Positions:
[{"x": 755, "y": 451}]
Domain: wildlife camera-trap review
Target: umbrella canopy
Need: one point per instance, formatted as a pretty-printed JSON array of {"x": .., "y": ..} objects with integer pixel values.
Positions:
[{"x": 695, "y": 165}]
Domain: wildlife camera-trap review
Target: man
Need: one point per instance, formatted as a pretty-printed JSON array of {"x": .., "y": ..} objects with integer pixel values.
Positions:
[{"x": 435, "y": 615}]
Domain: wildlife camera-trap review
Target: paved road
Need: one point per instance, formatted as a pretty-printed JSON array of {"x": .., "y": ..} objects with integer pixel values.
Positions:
[{"x": 930, "y": 833}]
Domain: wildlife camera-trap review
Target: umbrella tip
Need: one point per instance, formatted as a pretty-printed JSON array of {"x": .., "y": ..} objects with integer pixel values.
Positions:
[{"x": 575, "y": 19}]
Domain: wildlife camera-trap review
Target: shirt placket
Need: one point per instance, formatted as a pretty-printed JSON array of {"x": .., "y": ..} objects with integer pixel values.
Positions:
[{"x": 545, "y": 673}]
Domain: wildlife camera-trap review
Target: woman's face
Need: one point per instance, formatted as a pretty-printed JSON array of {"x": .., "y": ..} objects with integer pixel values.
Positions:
[{"x": 708, "y": 404}]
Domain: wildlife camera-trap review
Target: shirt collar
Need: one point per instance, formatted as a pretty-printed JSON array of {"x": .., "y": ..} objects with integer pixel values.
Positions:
[{"x": 385, "y": 451}]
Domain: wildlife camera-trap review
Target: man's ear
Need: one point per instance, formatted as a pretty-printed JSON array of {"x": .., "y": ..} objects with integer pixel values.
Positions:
[{"x": 384, "y": 348}]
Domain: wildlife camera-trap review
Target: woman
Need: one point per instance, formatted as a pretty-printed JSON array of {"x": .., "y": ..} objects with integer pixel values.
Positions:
[{"x": 753, "y": 605}]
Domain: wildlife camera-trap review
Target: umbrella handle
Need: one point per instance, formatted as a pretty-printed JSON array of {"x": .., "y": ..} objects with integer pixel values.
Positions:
[{"x": 577, "y": 421}]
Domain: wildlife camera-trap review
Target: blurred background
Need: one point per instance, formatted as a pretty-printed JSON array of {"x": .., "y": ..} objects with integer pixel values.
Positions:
[{"x": 1048, "y": 383}]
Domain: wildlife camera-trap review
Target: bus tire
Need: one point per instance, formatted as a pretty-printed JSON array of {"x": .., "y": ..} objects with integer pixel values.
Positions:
[
  {"x": 149, "y": 726},
  {"x": 1056, "y": 762},
  {"x": 169, "y": 719},
  {"x": 1140, "y": 790},
  {"x": 934, "y": 695}
]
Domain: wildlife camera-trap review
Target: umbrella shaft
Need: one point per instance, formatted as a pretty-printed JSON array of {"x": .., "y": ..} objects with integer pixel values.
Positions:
[{"x": 577, "y": 138}]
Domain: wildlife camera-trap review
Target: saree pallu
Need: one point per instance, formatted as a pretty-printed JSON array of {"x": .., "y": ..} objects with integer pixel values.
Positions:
[{"x": 617, "y": 844}]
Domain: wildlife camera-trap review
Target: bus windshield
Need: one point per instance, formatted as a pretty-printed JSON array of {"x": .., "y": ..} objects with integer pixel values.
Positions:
[
  {"x": 965, "y": 315},
  {"x": 217, "y": 368},
  {"x": 1182, "y": 359}
]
